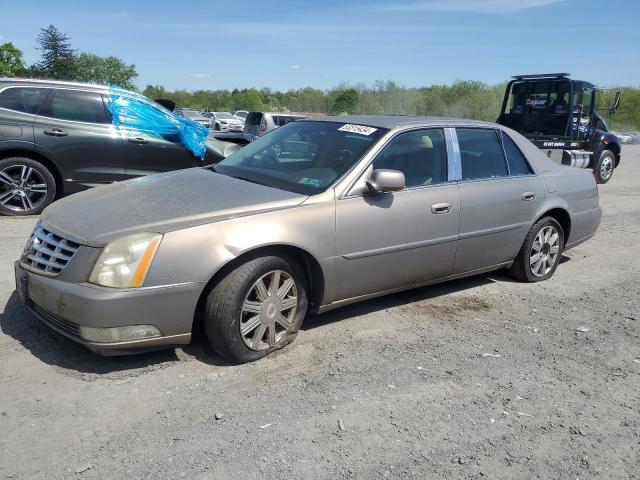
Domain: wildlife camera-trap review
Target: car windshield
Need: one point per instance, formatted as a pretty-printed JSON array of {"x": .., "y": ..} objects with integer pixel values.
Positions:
[
  {"x": 302, "y": 157},
  {"x": 223, "y": 116}
]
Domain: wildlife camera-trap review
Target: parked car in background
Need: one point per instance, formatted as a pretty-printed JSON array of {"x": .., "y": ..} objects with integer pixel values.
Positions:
[
  {"x": 226, "y": 122},
  {"x": 241, "y": 114},
  {"x": 259, "y": 123},
  {"x": 57, "y": 138},
  {"x": 316, "y": 215},
  {"x": 193, "y": 115}
]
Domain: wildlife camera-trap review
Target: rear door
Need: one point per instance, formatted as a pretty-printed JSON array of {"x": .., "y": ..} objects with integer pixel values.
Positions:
[
  {"x": 18, "y": 108},
  {"x": 498, "y": 199},
  {"x": 74, "y": 129},
  {"x": 252, "y": 124},
  {"x": 146, "y": 153}
]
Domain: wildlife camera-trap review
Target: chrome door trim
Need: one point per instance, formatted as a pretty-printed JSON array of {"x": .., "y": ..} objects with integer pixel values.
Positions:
[{"x": 399, "y": 248}]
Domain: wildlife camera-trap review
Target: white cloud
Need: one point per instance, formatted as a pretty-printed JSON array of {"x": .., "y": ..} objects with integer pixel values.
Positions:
[
  {"x": 476, "y": 6},
  {"x": 197, "y": 75},
  {"x": 294, "y": 67}
]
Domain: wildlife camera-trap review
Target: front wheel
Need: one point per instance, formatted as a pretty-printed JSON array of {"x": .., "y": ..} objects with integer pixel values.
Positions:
[
  {"x": 603, "y": 169},
  {"x": 540, "y": 253},
  {"x": 256, "y": 309},
  {"x": 26, "y": 187}
]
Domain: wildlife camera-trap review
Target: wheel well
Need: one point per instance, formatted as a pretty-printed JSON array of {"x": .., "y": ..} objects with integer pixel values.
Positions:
[
  {"x": 615, "y": 148},
  {"x": 563, "y": 218},
  {"x": 38, "y": 158},
  {"x": 308, "y": 263}
]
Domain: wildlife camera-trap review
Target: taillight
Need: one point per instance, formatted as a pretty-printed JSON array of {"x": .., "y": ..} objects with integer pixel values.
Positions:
[{"x": 263, "y": 125}]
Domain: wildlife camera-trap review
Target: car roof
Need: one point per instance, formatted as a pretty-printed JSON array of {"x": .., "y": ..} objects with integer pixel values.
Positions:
[
  {"x": 51, "y": 83},
  {"x": 399, "y": 121}
]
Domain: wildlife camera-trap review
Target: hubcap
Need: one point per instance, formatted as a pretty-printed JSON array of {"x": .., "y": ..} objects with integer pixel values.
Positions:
[
  {"x": 268, "y": 310},
  {"x": 606, "y": 168},
  {"x": 22, "y": 188},
  {"x": 544, "y": 251}
]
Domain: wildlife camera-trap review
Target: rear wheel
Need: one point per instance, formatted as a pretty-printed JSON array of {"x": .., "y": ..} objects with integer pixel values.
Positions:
[
  {"x": 256, "y": 309},
  {"x": 26, "y": 186},
  {"x": 604, "y": 167},
  {"x": 540, "y": 253}
]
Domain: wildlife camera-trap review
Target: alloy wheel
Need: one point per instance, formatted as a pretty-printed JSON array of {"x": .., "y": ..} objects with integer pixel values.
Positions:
[
  {"x": 22, "y": 188},
  {"x": 544, "y": 251},
  {"x": 269, "y": 310}
]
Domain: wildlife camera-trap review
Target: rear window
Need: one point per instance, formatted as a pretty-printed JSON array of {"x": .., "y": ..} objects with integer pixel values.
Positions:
[
  {"x": 23, "y": 99},
  {"x": 254, "y": 118},
  {"x": 518, "y": 165},
  {"x": 77, "y": 106},
  {"x": 281, "y": 120},
  {"x": 481, "y": 154}
]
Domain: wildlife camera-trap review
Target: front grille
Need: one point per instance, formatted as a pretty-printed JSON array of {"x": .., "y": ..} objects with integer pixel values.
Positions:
[
  {"x": 56, "y": 322},
  {"x": 47, "y": 253}
]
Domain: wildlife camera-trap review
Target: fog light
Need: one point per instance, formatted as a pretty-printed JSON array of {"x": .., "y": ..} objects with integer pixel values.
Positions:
[{"x": 119, "y": 334}]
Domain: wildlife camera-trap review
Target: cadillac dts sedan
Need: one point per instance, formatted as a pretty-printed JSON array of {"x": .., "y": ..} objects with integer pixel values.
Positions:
[{"x": 317, "y": 214}]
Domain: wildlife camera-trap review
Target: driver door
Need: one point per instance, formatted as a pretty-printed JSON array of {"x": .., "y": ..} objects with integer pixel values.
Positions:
[{"x": 397, "y": 239}]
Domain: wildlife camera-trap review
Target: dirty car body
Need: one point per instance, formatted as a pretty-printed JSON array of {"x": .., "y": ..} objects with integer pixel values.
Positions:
[{"x": 364, "y": 206}]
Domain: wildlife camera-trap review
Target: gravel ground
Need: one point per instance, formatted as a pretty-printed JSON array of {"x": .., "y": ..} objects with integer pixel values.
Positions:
[{"x": 478, "y": 378}]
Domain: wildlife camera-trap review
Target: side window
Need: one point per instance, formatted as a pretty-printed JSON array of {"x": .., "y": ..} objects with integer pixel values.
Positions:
[
  {"x": 421, "y": 155},
  {"x": 481, "y": 154},
  {"x": 77, "y": 106},
  {"x": 518, "y": 165},
  {"x": 23, "y": 99}
]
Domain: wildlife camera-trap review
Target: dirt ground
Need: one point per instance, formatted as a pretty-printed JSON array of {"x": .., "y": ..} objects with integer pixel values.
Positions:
[{"x": 478, "y": 378}]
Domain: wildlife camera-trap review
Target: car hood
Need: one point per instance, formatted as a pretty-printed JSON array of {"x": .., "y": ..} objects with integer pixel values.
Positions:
[{"x": 161, "y": 203}]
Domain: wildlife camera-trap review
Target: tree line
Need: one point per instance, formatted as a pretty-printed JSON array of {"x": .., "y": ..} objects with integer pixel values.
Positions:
[{"x": 462, "y": 99}]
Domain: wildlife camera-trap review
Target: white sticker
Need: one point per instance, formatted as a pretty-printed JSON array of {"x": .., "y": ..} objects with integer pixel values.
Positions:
[{"x": 361, "y": 129}]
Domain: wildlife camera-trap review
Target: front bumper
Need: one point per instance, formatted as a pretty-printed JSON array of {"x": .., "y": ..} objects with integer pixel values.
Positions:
[{"x": 65, "y": 306}]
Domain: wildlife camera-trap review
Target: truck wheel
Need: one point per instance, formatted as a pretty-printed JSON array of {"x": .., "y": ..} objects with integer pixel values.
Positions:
[
  {"x": 604, "y": 167},
  {"x": 540, "y": 253},
  {"x": 256, "y": 309},
  {"x": 26, "y": 186}
]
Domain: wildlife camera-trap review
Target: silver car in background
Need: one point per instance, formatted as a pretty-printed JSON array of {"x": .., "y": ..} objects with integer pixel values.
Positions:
[
  {"x": 261, "y": 123},
  {"x": 226, "y": 122},
  {"x": 313, "y": 216},
  {"x": 193, "y": 115}
]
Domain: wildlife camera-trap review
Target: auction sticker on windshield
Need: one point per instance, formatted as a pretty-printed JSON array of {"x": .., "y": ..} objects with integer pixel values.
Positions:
[{"x": 361, "y": 129}]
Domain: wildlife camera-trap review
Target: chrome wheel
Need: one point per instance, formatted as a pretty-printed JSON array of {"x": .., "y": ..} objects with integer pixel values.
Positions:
[
  {"x": 544, "y": 251},
  {"x": 606, "y": 168},
  {"x": 22, "y": 188},
  {"x": 268, "y": 310}
]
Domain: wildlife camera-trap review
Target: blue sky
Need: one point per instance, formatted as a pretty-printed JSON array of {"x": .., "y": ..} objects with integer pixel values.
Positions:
[{"x": 320, "y": 43}]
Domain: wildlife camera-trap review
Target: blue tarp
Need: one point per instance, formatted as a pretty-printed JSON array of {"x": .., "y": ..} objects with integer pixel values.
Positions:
[{"x": 132, "y": 110}]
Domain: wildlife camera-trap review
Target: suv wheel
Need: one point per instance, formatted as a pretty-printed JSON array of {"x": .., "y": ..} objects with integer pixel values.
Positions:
[
  {"x": 256, "y": 309},
  {"x": 604, "y": 167},
  {"x": 26, "y": 186}
]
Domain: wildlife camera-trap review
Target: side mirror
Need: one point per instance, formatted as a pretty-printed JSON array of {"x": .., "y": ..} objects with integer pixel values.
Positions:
[{"x": 386, "y": 181}]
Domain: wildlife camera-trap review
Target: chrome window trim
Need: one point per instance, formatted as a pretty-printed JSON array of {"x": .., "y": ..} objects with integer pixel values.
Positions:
[
  {"x": 24, "y": 86},
  {"x": 102, "y": 94},
  {"x": 368, "y": 160}
]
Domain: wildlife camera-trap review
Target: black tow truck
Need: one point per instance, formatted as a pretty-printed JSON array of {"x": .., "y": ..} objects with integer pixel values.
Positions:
[{"x": 558, "y": 115}]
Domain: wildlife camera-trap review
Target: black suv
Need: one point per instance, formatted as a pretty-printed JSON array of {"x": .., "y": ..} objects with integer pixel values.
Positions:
[{"x": 57, "y": 138}]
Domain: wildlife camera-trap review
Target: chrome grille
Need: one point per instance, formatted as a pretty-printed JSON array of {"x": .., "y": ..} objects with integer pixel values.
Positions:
[{"x": 47, "y": 253}]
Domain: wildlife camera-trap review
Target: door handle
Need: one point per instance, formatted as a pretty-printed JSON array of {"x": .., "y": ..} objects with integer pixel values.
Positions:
[
  {"x": 528, "y": 196},
  {"x": 55, "y": 133},
  {"x": 137, "y": 140},
  {"x": 440, "y": 208}
]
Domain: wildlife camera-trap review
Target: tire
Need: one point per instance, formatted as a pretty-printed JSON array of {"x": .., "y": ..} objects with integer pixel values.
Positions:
[
  {"x": 216, "y": 127},
  {"x": 26, "y": 186},
  {"x": 525, "y": 264},
  {"x": 225, "y": 312},
  {"x": 603, "y": 169}
]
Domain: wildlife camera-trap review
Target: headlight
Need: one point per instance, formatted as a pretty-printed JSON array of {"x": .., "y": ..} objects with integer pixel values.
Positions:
[
  {"x": 119, "y": 334},
  {"x": 124, "y": 263}
]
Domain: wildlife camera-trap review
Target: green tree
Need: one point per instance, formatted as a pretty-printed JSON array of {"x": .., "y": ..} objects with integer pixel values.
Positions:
[
  {"x": 345, "y": 101},
  {"x": 104, "y": 70},
  {"x": 10, "y": 60},
  {"x": 58, "y": 58}
]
